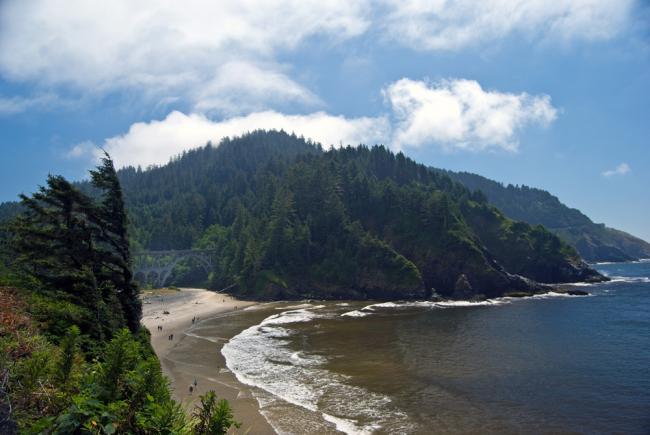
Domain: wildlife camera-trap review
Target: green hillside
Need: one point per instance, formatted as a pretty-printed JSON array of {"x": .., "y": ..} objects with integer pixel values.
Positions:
[
  {"x": 290, "y": 220},
  {"x": 594, "y": 242}
]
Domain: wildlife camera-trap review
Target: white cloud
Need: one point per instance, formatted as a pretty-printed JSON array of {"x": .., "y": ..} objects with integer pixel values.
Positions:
[
  {"x": 459, "y": 114},
  {"x": 201, "y": 51},
  {"x": 155, "y": 142},
  {"x": 81, "y": 149},
  {"x": 621, "y": 169},
  {"x": 452, "y": 25},
  {"x": 453, "y": 114},
  {"x": 162, "y": 48},
  {"x": 18, "y": 104},
  {"x": 239, "y": 87}
]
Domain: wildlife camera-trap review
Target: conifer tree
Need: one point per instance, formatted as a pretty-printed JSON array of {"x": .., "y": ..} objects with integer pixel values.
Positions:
[
  {"x": 111, "y": 219},
  {"x": 54, "y": 239},
  {"x": 77, "y": 245}
]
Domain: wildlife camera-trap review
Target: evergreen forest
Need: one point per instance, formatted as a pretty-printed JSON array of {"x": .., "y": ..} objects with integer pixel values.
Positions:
[
  {"x": 73, "y": 356},
  {"x": 287, "y": 219}
]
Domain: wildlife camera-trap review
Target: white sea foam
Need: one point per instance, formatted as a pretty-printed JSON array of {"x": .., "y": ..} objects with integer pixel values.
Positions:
[
  {"x": 630, "y": 279},
  {"x": 350, "y": 426},
  {"x": 640, "y": 260},
  {"x": 580, "y": 284},
  {"x": 296, "y": 307},
  {"x": 384, "y": 305},
  {"x": 292, "y": 316},
  {"x": 370, "y": 309},
  {"x": 253, "y": 308},
  {"x": 356, "y": 313},
  {"x": 451, "y": 303},
  {"x": 556, "y": 295},
  {"x": 487, "y": 302},
  {"x": 261, "y": 356}
]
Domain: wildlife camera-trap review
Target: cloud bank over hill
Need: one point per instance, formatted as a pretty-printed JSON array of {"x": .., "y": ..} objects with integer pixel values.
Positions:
[{"x": 454, "y": 114}]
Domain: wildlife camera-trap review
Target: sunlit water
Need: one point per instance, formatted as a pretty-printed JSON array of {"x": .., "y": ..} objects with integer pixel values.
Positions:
[{"x": 549, "y": 364}]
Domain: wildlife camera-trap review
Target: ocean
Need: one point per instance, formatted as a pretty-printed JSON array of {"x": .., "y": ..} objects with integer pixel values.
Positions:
[{"x": 547, "y": 364}]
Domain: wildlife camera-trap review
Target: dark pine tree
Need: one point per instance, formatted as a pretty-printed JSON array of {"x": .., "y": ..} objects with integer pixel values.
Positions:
[
  {"x": 74, "y": 244},
  {"x": 115, "y": 253}
]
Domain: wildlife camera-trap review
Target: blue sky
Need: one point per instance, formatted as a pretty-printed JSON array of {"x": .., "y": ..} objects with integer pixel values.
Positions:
[{"x": 554, "y": 95}]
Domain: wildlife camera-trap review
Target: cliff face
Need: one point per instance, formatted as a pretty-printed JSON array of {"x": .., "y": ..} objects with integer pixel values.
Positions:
[{"x": 530, "y": 251}]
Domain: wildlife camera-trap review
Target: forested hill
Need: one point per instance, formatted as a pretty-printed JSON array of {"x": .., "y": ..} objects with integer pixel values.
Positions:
[
  {"x": 291, "y": 220},
  {"x": 594, "y": 242},
  {"x": 171, "y": 206}
]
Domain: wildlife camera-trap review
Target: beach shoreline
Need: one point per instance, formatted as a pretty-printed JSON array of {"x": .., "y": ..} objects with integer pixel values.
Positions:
[
  {"x": 195, "y": 352},
  {"x": 186, "y": 358}
]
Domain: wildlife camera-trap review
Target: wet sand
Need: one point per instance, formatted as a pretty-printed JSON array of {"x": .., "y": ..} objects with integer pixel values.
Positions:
[{"x": 188, "y": 357}]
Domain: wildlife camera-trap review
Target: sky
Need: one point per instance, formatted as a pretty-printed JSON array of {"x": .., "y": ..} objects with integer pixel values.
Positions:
[{"x": 554, "y": 95}]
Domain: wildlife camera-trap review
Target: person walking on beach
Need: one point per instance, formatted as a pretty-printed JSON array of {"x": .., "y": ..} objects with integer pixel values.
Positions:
[
  {"x": 195, "y": 382},
  {"x": 191, "y": 389}
]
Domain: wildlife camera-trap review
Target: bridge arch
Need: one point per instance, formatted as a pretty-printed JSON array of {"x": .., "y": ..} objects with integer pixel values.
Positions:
[{"x": 161, "y": 264}]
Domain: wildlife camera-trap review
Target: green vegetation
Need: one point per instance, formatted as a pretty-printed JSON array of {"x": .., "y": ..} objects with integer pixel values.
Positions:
[
  {"x": 286, "y": 220},
  {"x": 73, "y": 356},
  {"x": 78, "y": 246},
  {"x": 289, "y": 220},
  {"x": 594, "y": 242},
  {"x": 213, "y": 417}
]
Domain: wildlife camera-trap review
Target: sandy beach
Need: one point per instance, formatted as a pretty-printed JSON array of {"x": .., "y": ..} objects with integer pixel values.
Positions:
[{"x": 188, "y": 357}]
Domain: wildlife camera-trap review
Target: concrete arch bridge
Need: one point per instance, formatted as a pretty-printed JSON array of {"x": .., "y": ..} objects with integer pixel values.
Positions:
[{"x": 156, "y": 267}]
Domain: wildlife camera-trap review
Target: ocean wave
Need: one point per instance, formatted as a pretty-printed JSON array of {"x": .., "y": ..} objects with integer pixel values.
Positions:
[
  {"x": 384, "y": 305},
  {"x": 445, "y": 304},
  {"x": 371, "y": 309},
  {"x": 261, "y": 356},
  {"x": 254, "y": 307},
  {"x": 580, "y": 284},
  {"x": 292, "y": 316},
  {"x": 296, "y": 307},
  {"x": 349, "y": 426},
  {"x": 556, "y": 295},
  {"x": 605, "y": 263},
  {"x": 485, "y": 303},
  {"x": 630, "y": 279},
  {"x": 356, "y": 313}
]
